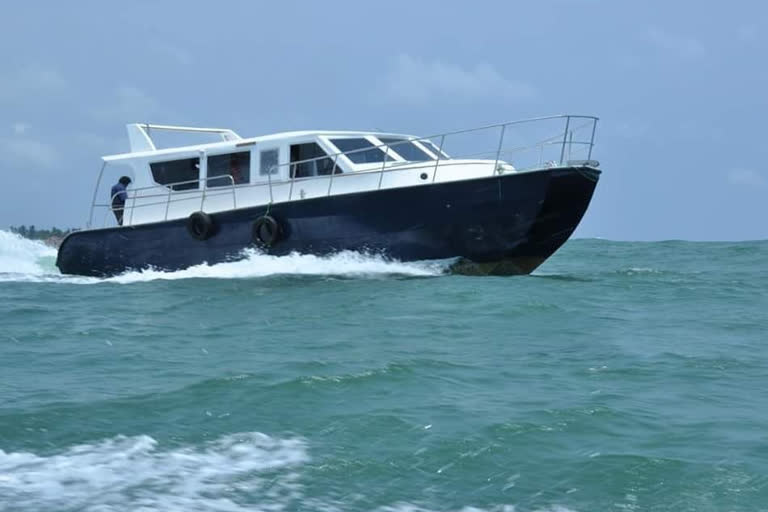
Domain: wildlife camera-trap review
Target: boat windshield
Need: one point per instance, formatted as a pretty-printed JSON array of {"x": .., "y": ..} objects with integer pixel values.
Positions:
[
  {"x": 409, "y": 151},
  {"x": 361, "y": 151},
  {"x": 434, "y": 149}
]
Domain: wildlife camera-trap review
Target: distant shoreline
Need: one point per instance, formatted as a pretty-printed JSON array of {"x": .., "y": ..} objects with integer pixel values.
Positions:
[{"x": 51, "y": 237}]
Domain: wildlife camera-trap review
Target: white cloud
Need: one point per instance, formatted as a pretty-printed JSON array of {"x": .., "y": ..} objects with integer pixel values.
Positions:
[
  {"x": 29, "y": 81},
  {"x": 20, "y": 128},
  {"x": 681, "y": 45},
  {"x": 129, "y": 105},
  {"x": 173, "y": 53},
  {"x": 22, "y": 153},
  {"x": 417, "y": 80},
  {"x": 97, "y": 144},
  {"x": 747, "y": 33},
  {"x": 631, "y": 129},
  {"x": 747, "y": 177}
]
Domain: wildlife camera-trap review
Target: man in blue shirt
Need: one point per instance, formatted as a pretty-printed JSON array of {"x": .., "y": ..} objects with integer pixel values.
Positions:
[{"x": 119, "y": 195}]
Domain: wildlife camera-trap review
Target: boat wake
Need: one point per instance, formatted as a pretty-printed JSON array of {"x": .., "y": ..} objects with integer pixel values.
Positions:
[{"x": 31, "y": 261}]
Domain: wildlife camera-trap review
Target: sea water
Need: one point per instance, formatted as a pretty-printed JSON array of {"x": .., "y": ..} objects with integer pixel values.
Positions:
[{"x": 619, "y": 376}]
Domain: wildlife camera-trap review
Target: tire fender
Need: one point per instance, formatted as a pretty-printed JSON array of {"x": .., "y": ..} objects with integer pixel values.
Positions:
[
  {"x": 266, "y": 231},
  {"x": 200, "y": 226}
]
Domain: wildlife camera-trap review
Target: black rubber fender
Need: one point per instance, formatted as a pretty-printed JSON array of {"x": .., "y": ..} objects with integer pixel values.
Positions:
[
  {"x": 201, "y": 226},
  {"x": 266, "y": 231}
]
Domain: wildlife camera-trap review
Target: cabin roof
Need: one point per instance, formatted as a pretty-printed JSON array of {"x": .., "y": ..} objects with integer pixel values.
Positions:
[{"x": 233, "y": 142}]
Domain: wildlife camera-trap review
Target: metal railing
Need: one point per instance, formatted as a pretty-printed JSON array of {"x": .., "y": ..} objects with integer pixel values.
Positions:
[
  {"x": 168, "y": 197},
  {"x": 562, "y": 140}
]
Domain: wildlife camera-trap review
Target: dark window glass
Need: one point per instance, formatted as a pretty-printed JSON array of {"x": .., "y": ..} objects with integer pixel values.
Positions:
[
  {"x": 176, "y": 171},
  {"x": 433, "y": 147},
  {"x": 371, "y": 155},
  {"x": 317, "y": 166},
  {"x": 406, "y": 149},
  {"x": 236, "y": 165}
]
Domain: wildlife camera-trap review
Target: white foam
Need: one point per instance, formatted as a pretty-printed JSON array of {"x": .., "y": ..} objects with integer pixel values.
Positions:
[
  {"x": 345, "y": 263},
  {"x": 240, "y": 472},
  {"x": 410, "y": 507},
  {"x": 641, "y": 270},
  {"x": 30, "y": 261},
  {"x": 20, "y": 256},
  {"x": 136, "y": 473}
]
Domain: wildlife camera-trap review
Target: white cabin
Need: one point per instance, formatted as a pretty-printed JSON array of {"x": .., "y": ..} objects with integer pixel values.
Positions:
[{"x": 240, "y": 173}]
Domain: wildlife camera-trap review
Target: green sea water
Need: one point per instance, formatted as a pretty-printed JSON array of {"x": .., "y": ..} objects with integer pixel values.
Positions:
[{"x": 620, "y": 376}]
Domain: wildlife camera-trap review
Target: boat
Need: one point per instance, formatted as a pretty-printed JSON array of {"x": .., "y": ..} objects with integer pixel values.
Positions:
[{"x": 498, "y": 199}]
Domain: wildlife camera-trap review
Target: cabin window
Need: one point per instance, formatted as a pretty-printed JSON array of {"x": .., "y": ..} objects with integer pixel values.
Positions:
[
  {"x": 433, "y": 148},
  {"x": 268, "y": 162},
  {"x": 177, "y": 174},
  {"x": 406, "y": 149},
  {"x": 317, "y": 165},
  {"x": 364, "y": 151},
  {"x": 232, "y": 168}
]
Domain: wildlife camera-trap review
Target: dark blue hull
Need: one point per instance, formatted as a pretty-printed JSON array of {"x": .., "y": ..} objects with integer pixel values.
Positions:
[{"x": 507, "y": 224}]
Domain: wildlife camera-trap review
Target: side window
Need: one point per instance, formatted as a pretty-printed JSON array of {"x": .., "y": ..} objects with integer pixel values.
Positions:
[
  {"x": 177, "y": 171},
  {"x": 234, "y": 165},
  {"x": 319, "y": 163},
  {"x": 269, "y": 162}
]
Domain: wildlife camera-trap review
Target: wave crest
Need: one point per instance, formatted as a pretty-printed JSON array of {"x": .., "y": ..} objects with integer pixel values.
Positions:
[
  {"x": 20, "y": 256},
  {"x": 135, "y": 473},
  {"x": 239, "y": 472}
]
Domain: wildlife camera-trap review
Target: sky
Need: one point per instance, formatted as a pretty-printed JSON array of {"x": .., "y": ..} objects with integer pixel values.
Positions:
[{"x": 681, "y": 89}]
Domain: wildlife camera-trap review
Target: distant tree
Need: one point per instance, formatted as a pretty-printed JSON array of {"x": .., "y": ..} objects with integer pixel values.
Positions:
[{"x": 40, "y": 234}]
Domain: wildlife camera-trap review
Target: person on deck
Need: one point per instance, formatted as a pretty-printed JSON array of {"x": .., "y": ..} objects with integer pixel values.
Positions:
[{"x": 119, "y": 195}]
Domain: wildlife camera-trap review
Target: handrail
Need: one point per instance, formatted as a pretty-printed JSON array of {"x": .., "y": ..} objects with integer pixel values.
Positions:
[
  {"x": 170, "y": 188},
  {"x": 442, "y": 136},
  {"x": 566, "y": 137},
  {"x": 419, "y": 139}
]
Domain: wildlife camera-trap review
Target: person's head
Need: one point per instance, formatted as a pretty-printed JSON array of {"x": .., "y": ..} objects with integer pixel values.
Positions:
[{"x": 125, "y": 180}]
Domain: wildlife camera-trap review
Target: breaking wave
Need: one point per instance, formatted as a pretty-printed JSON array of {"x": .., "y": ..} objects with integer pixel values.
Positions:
[
  {"x": 20, "y": 256},
  {"x": 27, "y": 260},
  {"x": 247, "y": 471}
]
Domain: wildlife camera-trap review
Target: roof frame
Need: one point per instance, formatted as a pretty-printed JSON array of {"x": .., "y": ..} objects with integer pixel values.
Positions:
[{"x": 139, "y": 134}]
